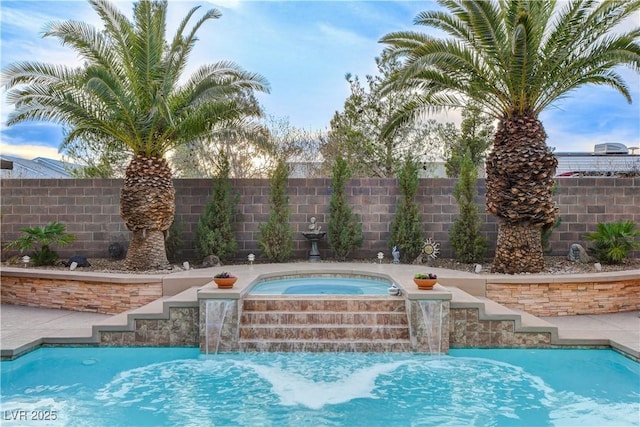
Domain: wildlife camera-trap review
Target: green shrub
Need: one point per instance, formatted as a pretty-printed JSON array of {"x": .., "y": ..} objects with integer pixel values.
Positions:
[
  {"x": 344, "y": 227},
  {"x": 276, "y": 236},
  {"x": 40, "y": 239},
  {"x": 466, "y": 241},
  {"x": 174, "y": 242},
  {"x": 406, "y": 228},
  {"x": 214, "y": 235},
  {"x": 613, "y": 241}
]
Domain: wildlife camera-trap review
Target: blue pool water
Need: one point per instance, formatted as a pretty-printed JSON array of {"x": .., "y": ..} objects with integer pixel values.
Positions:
[
  {"x": 322, "y": 286},
  {"x": 169, "y": 386}
]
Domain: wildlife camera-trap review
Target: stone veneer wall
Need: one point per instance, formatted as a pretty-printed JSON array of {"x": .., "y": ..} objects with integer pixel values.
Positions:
[
  {"x": 90, "y": 210},
  {"x": 227, "y": 338},
  {"x": 181, "y": 329},
  {"x": 77, "y": 295},
  {"x": 568, "y": 299},
  {"x": 427, "y": 334},
  {"x": 467, "y": 330}
]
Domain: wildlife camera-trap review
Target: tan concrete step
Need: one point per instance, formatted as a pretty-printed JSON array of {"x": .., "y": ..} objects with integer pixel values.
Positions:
[
  {"x": 523, "y": 321},
  {"x": 158, "y": 309}
]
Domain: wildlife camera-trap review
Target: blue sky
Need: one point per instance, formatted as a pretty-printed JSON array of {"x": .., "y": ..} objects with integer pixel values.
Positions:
[{"x": 304, "y": 49}]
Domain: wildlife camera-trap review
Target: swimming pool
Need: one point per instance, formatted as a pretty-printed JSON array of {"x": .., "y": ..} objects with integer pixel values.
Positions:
[
  {"x": 322, "y": 285},
  {"x": 178, "y": 386}
]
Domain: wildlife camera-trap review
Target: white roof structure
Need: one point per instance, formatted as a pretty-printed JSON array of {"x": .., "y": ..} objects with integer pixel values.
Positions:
[
  {"x": 40, "y": 167},
  {"x": 607, "y": 159}
]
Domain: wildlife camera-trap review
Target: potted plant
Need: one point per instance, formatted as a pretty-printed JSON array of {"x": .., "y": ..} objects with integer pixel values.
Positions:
[
  {"x": 225, "y": 280},
  {"x": 425, "y": 281}
]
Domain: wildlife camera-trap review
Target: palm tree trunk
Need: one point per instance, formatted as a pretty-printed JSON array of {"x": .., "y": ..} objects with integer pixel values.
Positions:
[
  {"x": 147, "y": 206},
  {"x": 518, "y": 249},
  {"x": 146, "y": 251},
  {"x": 520, "y": 172}
]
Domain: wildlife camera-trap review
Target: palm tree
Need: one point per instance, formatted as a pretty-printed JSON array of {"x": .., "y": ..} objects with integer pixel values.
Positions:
[
  {"x": 130, "y": 90},
  {"x": 514, "y": 58}
]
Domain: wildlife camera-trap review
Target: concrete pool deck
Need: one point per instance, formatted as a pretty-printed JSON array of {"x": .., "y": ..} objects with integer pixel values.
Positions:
[{"x": 24, "y": 328}]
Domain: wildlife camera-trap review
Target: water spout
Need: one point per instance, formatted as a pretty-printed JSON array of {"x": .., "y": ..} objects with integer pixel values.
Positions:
[
  {"x": 432, "y": 315},
  {"x": 217, "y": 312},
  {"x": 426, "y": 333}
]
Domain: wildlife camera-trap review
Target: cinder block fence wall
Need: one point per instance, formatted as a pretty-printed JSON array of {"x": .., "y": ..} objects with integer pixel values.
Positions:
[{"x": 90, "y": 210}]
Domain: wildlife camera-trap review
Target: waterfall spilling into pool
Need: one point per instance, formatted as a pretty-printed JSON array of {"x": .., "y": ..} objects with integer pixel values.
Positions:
[
  {"x": 429, "y": 325},
  {"x": 432, "y": 316},
  {"x": 217, "y": 312},
  {"x": 342, "y": 313}
]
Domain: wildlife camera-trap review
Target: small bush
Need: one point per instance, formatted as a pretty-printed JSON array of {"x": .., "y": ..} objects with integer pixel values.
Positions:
[
  {"x": 613, "y": 241},
  {"x": 40, "y": 239}
]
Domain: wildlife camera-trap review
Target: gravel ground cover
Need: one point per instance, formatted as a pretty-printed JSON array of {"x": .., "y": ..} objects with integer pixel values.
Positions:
[{"x": 553, "y": 265}]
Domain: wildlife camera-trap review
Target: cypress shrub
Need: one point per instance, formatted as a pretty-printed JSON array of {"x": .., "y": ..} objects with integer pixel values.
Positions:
[
  {"x": 406, "y": 228},
  {"x": 276, "y": 236},
  {"x": 466, "y": 241},
  {"x": 174, "y": 241},
  {"x": 214, "y": 235},
  {"x": 344, "y": 227}
]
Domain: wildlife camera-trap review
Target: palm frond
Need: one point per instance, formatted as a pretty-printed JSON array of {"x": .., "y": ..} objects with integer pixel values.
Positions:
[
  {"x": 515, "y": 55},
  {"x": 128, "y": 89}
]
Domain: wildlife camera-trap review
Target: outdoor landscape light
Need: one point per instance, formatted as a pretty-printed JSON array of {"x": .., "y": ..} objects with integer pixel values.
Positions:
[
  {"x": 185, "y": 265},
  {"x": 380, "y": 256},
  {"x": 26, "y": 260},
  {"x": 251, "y": 258}
]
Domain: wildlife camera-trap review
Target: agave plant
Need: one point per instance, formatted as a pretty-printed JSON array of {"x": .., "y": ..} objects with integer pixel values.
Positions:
[
  {"x": 613, "y": 241},
  {"x": 40, "y": 239}
]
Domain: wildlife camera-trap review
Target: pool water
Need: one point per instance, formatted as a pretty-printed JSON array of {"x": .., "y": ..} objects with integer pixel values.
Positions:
[
  {"x": 177, "y": 386},
  {"x": 322, "y": 286}
]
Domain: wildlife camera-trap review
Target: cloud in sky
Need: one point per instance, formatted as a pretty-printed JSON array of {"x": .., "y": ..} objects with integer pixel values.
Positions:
[{"x": 304, "y": 49}]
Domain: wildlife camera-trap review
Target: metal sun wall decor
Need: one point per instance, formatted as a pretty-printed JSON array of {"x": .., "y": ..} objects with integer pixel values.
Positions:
[{"x": 431, "y": 248}]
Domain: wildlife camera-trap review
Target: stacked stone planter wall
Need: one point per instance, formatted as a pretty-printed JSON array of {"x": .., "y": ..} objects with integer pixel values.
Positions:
[
  {"x": 568, "y": 299},
  {"x": 106, "y": 296}
]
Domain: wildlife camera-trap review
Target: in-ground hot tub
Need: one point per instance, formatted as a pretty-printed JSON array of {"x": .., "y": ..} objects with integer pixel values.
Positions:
[{"x": 322, "y": 285}]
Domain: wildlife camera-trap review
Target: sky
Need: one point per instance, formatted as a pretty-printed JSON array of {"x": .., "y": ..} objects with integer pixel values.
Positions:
[{"x": 304, "y": 49}]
